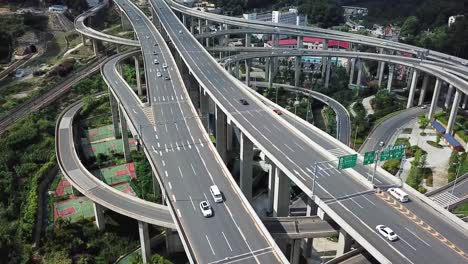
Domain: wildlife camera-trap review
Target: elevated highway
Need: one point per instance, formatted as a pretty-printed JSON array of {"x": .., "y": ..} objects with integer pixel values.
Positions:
[
  {"x": 81, "y": 27},
  {"x": 220, "y": 86},
  {"x": 342, "y": 114},
  {"x": 185, "y": 160},
  {"x": 337, "y": 206},
  {"x": 98, "y": 191}
]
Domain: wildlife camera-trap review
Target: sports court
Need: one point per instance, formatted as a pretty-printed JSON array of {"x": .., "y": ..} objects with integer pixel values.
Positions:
[
  {"x": 107, "y": 147},
  {"x": 126, "y": 187},
  {"x": 63, "y": 188},
  {"x": 116, "y": 174},
  {"x": 100, "y": 133},
  {"x": 74, "y": 209}
]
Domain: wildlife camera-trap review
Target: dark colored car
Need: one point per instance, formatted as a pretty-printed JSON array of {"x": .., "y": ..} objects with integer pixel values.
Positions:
[
  {"x": 244, "y": 102},
  {"x": 167, "y": 77}
]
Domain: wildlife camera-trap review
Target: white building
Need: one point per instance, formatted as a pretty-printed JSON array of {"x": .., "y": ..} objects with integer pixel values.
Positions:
[
  {"x": 452, "y": 19},
  {"x": 291, "y": 17},
  {"x": 354, "y": 11},
  {"x": 58, "y": 8}
]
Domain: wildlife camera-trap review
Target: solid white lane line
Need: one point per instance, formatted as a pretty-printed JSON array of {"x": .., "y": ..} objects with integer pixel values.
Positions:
[
  {"x": 181, "y": 174},
  {"x": 352, "y": 200},
  {"x": 165, "y": 146},
  {"x": 177, "y": 145},
  {"x": 209, "y": 243},
  {"x": 170, "y": 185},
  {"x": 193, "y": 204},
  {"x": 165, "y": 172},
  {"x": 193, "y": 169},
  {"x": 289, "y": 147},
  {"x": 206, "y": 198},
  {"x": 201, "y": 143},
  {"x": 229, "y": 245},
  {"x": 417, "y": 237},
  {"x": 188, "y": 143},
  {"x": 364, "y": 196},
  {"x": 399, "y": 237},
  {"x": 178, "y": 213},
  {"x": 295, "y": 143}
]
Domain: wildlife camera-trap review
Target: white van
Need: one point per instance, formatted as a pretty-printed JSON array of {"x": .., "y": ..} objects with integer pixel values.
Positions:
[
  {"x": 399, "y": 194},
  {"x": 217, "y": 196}
]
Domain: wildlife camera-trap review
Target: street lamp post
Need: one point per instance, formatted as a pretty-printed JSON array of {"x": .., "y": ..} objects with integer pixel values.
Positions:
[
  {"x": 376, "y": 160},
  {"x": 454, "y": 183}
]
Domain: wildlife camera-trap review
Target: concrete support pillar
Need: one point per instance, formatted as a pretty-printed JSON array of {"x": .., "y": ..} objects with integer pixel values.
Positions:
[
  {"x": 414, "y": 83},
  {"x": 99, "y": 216},
  {"x": 271, "y": 75},
  {"x": 295, "y": 251},
  {"x": 327, "y": 75},
  {"x": 221, "y": 133},
  {"x": 138, "y": 77},
  {"x": 311, "y": 209},
  {"x": 247, "y": 71},
  {"x": 448, "y": 97},
  {"x": 422, "y": 95},
  {"x": 144, "y": 241},
  {"x": 227, "y": 36},
  {"x": 83, "y": 39},
  {"x": 453, "y": 111},
  {"x": 200, "y": 29},
  {"x": 297, "y": 71},
  {"x": 229, "y": 136},
  {"x": 192, "y": 25},
  {"x": 300, "y": 42},
  {"x": 359, "y": 75},
  {"x": 435, "y": 98},
  {"x": 281, "y": 194},
  {"x": 95, "y": 47},
  {"x": 238, "y": 70},
  {"x": 124, "y": 130},
  {"x": 204, "y": 109},
  {"x": 271, "y": 186},
  {"x": 207, "y": 29},
  {"x": 465, "y": 102},
  {"x": 184, "y": 20},
  {"x": 324, "y": 59},
  {"x": 267, "y": 69},
  {"x": 173, "y": 242},
  {"x": 344, "y": 243},
  {"x": 247, "y": 40},
  {"x": 381, "y": 72},
  {"x": 115, "y": 115},
  {"x": 246, "y": 158},
  {"x": 391, "y": 69},
  {"x": 351, "y": 71}
]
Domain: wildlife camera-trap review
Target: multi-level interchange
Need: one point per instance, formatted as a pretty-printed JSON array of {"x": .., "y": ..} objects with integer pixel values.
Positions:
[{"x": 171, "y": 125}]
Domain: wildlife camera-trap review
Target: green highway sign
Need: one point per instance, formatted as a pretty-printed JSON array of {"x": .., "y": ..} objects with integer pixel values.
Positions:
[
  {"x": 392, "y": 152},
  {"x": 369, "y": 158},
  {"x": 385, "y": 155},
  {"x": 348, "y": 161}
]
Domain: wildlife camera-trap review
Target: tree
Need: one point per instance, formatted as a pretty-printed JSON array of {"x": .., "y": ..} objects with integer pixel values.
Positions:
[
  {"x": 423, "y": 122},
  {"x": 410, "y": 27}
]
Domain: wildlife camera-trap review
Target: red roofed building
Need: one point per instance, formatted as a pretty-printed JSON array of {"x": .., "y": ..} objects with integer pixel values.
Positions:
[{"x": 309, "y": 43}]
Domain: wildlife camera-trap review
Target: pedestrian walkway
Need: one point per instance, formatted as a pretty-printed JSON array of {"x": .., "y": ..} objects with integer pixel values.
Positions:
[
  {"x": 366, "y": 102},
  {"x": 445, "y": 198}
]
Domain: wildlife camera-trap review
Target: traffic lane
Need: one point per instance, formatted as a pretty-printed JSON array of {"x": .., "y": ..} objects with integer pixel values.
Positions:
[
  {"x": 415, "y": 239},
  {"x": 388, "y": 128},
  {"x": 439, "y": 223}
]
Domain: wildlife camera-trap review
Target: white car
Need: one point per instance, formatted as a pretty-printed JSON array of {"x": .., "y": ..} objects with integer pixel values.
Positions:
[
  {"x": 165, "y": 66},
  {"x": 156, "y": 61},
  {"x": 399, "y": 194},
  {"x": 205, "y": 208},
  {"x": 158, "y": 74},
  {"x": 216, "y": 193},
  {"x": 386, "y": 232}
]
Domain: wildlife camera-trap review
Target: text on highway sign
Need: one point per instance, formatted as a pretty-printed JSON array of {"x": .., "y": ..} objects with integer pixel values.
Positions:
[{"x": 348, "y": 161}]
